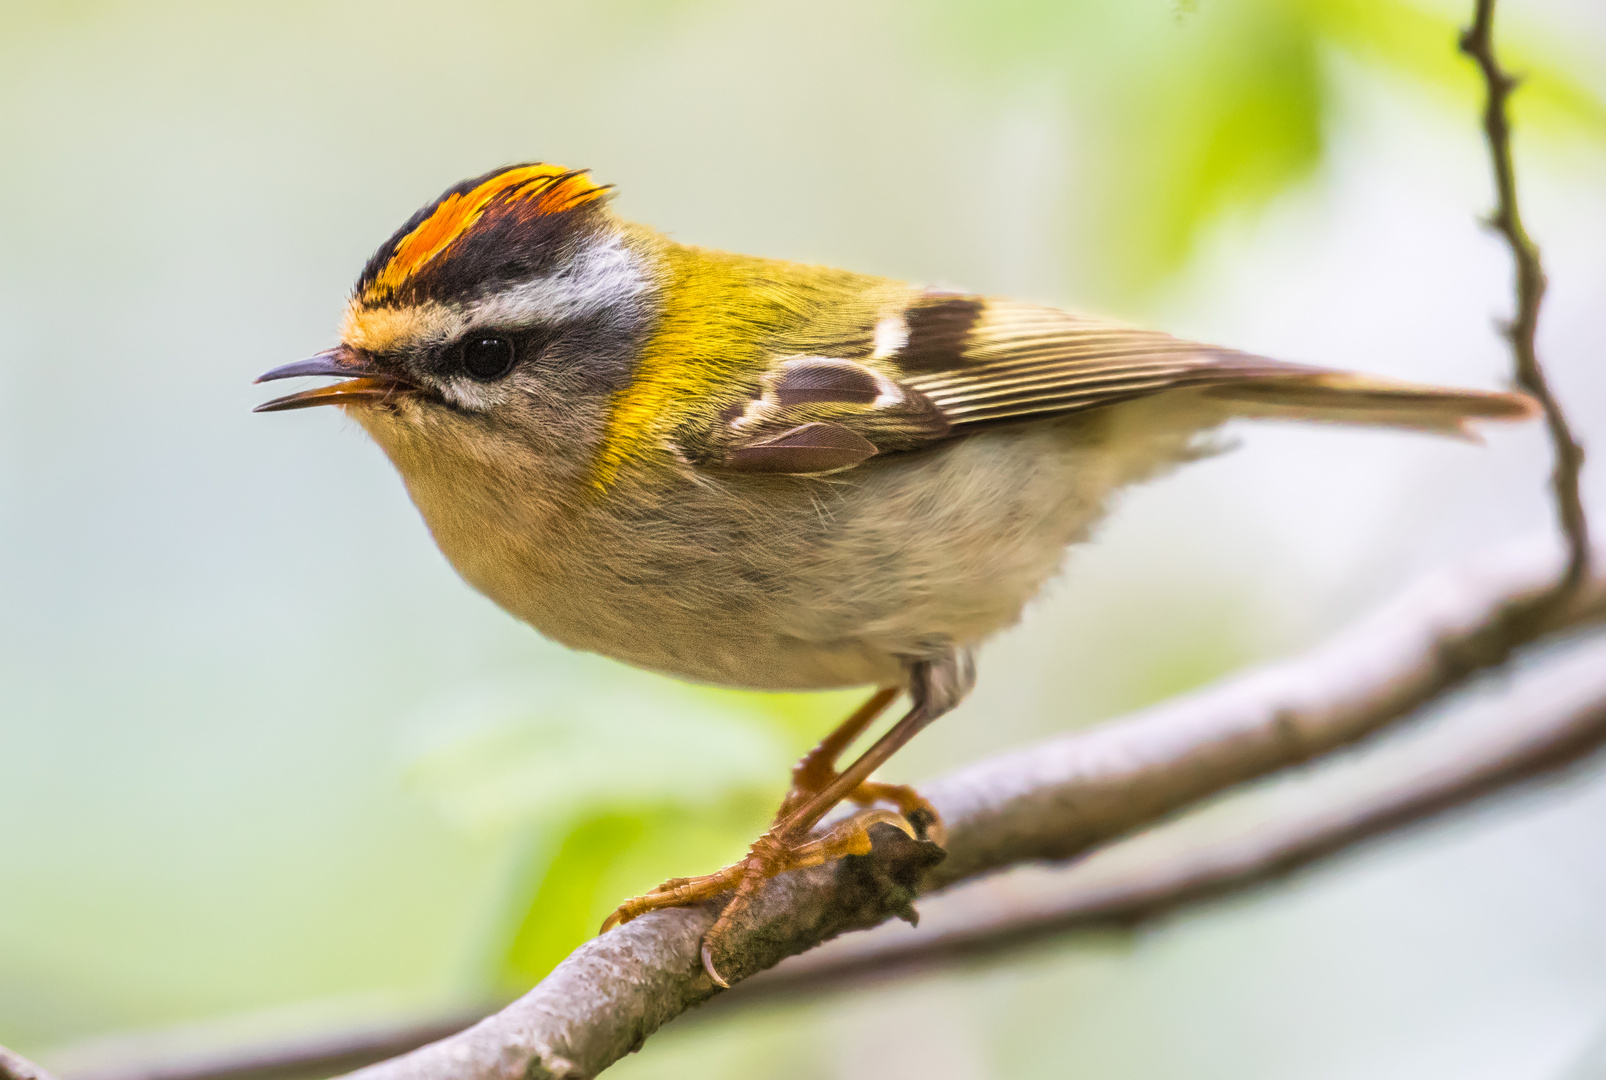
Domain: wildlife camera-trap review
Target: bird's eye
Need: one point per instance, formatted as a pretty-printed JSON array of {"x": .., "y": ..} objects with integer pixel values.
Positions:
[{"x": 488, "y": 358}]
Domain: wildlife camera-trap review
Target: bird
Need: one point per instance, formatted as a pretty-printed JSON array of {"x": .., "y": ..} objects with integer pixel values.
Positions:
[{"x": 763, "y": 474}]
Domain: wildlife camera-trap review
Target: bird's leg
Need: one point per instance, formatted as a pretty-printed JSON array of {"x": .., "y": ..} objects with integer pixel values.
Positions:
[
  {"x": 818, "y": 767},
  {"x": 775, "y": 851},
  {"x": 935, "y": 687},
  {"x": 809, "y": 777}
]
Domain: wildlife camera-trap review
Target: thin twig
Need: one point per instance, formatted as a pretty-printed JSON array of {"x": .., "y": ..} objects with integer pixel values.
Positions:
[{"x": 1477, "y": 42}]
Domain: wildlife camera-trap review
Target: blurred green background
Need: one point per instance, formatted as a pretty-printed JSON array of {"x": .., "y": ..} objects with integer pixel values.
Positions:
[{"x": 268, "y": 767}]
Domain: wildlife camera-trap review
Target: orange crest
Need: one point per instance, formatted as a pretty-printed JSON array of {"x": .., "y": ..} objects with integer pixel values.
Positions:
[{"x": 543, "y": 189}]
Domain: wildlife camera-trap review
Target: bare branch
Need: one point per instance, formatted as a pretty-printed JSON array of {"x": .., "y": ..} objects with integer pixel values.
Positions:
[
  {"x": 1052, "y": 802},
  {"x": 1064, "y": 798},
  {"x": 1554, "y": 720},
  {"x": 16, "y": 1067},
  {"x": 1477, "y": 42}
]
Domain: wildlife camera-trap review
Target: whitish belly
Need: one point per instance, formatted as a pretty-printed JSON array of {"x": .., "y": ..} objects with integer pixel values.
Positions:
[{"x": 797, "y": 583}]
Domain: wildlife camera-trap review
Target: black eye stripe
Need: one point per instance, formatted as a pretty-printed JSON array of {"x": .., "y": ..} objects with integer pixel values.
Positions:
[{"x": 487, "y": 357}]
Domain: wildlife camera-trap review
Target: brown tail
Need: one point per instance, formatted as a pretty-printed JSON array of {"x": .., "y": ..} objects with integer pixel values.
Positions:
[{"x": 1342, "y": 397}]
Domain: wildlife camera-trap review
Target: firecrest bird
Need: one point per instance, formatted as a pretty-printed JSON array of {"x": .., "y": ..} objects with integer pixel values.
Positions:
[{"x": 763, "y": 474}]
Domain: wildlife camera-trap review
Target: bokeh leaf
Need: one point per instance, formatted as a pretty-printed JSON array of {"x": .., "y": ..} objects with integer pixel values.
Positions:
[
  {"x": 1224, "y": 114},
  {"x": 1185, "y": 112},
  {"x": 601, "y": 858},
  {"x": 542, "y": 748},
  {"x": 1419, "y": 43},
  {"x": 612, "y": 780},
  {"x": 559, "y": 914}
]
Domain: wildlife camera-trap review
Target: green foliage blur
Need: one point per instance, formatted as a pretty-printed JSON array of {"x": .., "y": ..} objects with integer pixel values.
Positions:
[
  {"x": 609, "y": 785},
  {"x": 1187, "y": 111},
  {"x": 258, "y": 747}
]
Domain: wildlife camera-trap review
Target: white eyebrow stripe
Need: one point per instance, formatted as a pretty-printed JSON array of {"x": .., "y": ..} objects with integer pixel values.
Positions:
[{"x": 598, "y": 277}]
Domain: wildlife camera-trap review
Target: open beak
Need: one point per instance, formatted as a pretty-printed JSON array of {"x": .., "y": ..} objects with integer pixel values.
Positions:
[{"x": 363, "y": 384}]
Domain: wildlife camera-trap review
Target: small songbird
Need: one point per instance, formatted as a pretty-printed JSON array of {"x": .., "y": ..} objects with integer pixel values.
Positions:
[{"x": 763, "y": 474}]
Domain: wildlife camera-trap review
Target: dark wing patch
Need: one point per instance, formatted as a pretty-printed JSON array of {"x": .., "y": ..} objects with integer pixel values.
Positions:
[
  {"x": 938, "y": 329},
  {"x": 820, "y": 380},
  {"x": 1019, "y": 360},
  {"x": 813, "y": 448},
  {"x": 814, "y": 414}
]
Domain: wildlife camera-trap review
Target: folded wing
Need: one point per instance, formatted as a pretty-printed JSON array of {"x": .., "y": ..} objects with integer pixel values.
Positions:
[{"x": 948, "y": 365}]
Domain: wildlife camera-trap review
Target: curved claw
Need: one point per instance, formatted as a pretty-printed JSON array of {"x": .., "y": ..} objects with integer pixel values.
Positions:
[
  {"x": 917, "y": 811},
  {"x": 621, "y": 915},
  {"x": 885, "y": 817},
  {"x": 708, "y": 966}
]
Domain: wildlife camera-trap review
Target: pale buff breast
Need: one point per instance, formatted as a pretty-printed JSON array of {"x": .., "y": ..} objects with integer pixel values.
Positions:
[{"x": 794, "y": 582}]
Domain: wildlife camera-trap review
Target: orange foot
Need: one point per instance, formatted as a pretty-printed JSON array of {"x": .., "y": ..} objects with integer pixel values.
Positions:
[{"x": 788, "y": 845}]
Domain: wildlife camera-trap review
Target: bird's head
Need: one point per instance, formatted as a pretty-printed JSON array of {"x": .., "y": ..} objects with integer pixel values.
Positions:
[{"x": 501, "y": 316}]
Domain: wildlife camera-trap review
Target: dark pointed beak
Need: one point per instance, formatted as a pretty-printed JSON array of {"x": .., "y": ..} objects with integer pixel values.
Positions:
[
  {"x": 337, "y": 361},
  {"x": 363, "y": 383}
]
